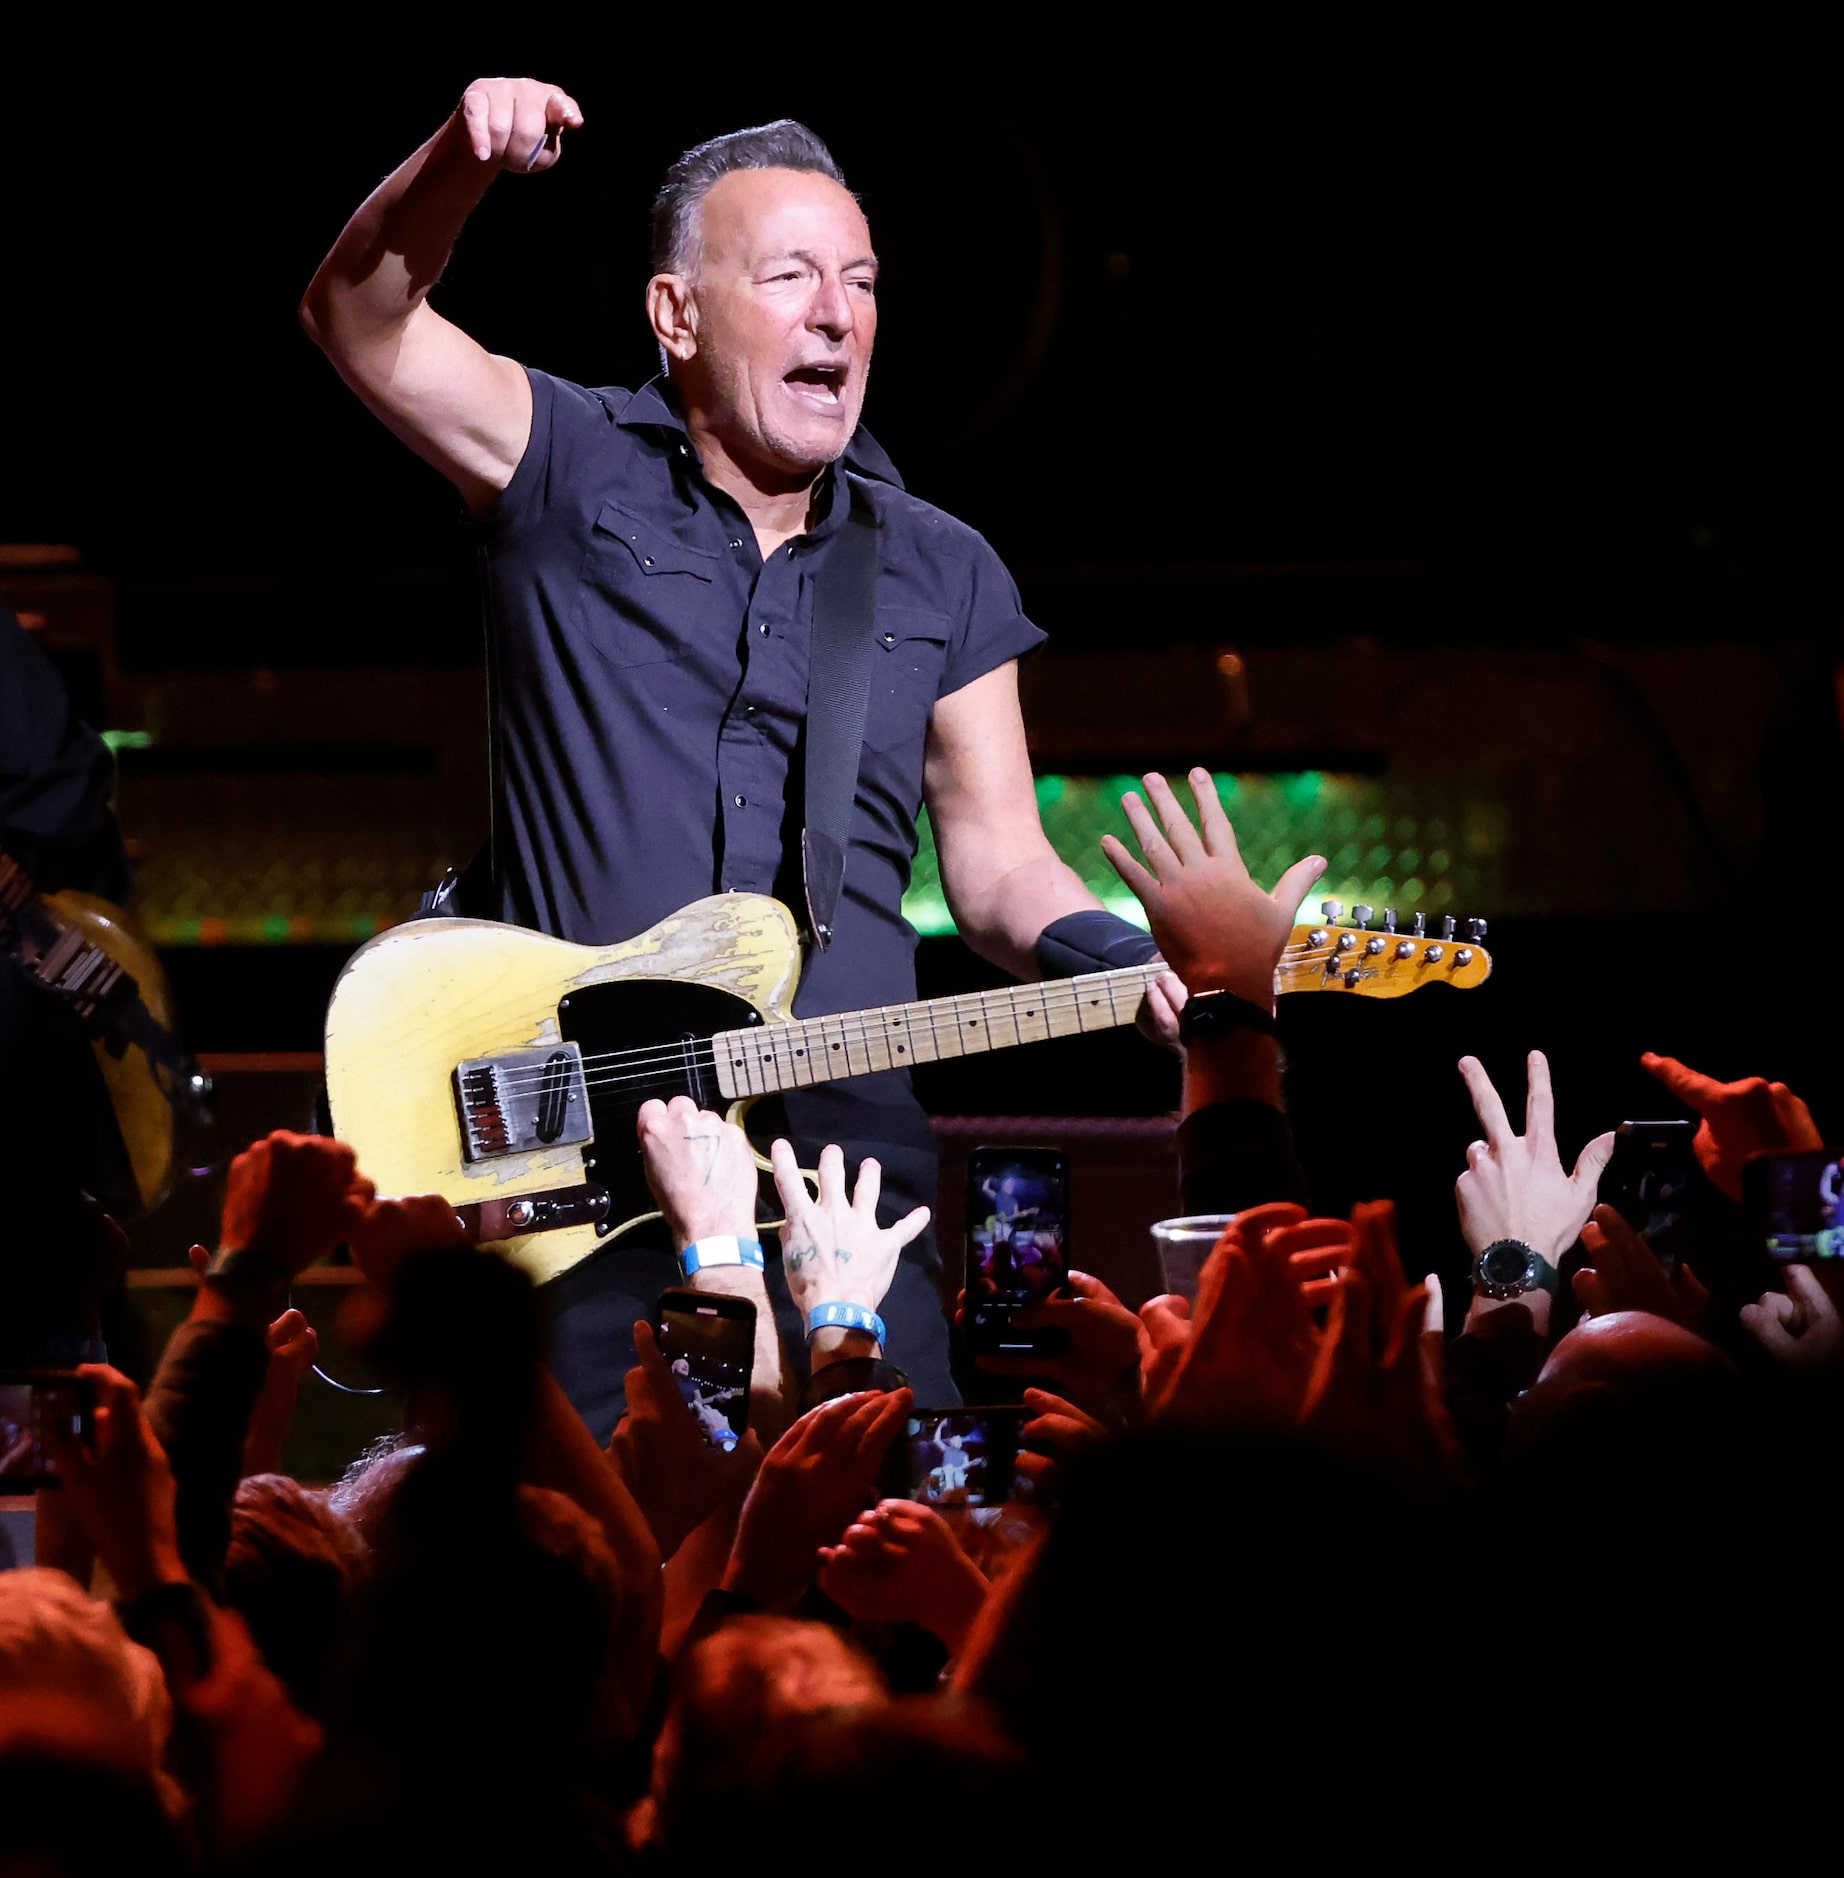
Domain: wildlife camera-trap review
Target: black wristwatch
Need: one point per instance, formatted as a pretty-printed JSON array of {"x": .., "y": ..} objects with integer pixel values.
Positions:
[
  {"x": 1507, "y": 1268},
  {"x": 1217, "y": 1013}
]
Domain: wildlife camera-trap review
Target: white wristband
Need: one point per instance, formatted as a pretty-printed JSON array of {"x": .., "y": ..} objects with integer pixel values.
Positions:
[{"x": 721, "y": 1249}]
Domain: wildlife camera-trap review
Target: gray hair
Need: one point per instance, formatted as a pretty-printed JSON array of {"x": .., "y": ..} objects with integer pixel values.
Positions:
[{"x": 782, "y": 145}]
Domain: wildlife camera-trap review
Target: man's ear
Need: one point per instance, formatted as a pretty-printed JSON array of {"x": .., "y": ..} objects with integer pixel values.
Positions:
[{"x": 672, "y": 311}]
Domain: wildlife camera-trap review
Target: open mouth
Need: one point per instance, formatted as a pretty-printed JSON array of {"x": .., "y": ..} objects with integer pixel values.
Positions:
[{"x": 818, "y": 385}]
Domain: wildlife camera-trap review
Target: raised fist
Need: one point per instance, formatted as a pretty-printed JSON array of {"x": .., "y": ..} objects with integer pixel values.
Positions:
[
  {"x": 517, "y": 123},
  {"x": 294, "y": 1198}
]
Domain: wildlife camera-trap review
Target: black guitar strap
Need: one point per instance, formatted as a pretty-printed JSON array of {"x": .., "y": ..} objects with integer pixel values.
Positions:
[{"x": 838, "y": 694}]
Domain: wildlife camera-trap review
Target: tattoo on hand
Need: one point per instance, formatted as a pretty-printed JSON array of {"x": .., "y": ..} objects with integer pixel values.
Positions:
[
  {"x": 710, "y": 1155},
  {"x": 803, "y": 1255},
  {"x": 843, "y": 1256}
]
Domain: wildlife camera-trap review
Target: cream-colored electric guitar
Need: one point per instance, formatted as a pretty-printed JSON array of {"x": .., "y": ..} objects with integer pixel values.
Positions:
[{"x": 503, "y": 1069}]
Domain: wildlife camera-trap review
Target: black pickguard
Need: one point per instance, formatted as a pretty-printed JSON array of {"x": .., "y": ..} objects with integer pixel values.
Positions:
[{"x": 655, "y": 1024}]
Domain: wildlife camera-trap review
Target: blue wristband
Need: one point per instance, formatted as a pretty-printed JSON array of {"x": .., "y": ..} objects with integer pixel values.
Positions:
[
  {"x": 845, "y": 1317},
  {"x": 703, "y": 1254}
]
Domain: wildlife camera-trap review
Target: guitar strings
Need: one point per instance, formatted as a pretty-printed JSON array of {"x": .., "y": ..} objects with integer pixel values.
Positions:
[
  {"x": 654, "y": 1062},
  {"x": 1062, "y": 998}
]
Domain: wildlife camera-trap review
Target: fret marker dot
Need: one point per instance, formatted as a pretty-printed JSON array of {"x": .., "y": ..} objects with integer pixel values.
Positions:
[
  {"x": 835, "y": 1046},
  {"x": 899, "y": 1049}
]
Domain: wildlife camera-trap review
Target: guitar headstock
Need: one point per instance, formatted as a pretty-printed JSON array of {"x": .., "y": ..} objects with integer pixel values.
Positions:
[{"x": 1369, "y": 957}]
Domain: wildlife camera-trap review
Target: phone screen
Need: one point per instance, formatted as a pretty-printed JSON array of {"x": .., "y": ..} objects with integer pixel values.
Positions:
[
  {"x": 1793, "y": 1201},
  {"x": 28, "y": 1404},
  {"x": 709, "y": 1344},
  {"x": 962, "y": 1457},
  {"x": 1650, "y": 1174},
  {"x": 1017, "y": 1222}
]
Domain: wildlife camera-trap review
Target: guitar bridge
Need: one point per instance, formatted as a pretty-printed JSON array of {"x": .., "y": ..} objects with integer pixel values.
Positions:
[{"x": 523, "y": 1100}]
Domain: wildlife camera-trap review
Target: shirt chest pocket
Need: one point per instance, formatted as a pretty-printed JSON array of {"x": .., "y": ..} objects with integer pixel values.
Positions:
[
  {"x": 642, "y": 595},
  {"x": 908, "y": 651}
]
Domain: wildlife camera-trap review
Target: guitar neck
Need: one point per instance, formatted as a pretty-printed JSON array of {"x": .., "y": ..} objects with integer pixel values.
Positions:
[
  {"x": 855, "y": 1043},
  {"x": 1351, "y": 961}
]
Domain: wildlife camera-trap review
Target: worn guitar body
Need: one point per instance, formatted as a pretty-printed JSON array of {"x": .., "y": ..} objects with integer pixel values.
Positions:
[{"x": 423, "y": 998}]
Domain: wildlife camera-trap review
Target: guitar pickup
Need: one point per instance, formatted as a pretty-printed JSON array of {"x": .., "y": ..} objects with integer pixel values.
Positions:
[{"x": 523, "y": 1100}]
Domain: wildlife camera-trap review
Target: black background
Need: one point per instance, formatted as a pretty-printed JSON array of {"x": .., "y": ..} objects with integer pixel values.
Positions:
[{"x": 1546, "y": 330}]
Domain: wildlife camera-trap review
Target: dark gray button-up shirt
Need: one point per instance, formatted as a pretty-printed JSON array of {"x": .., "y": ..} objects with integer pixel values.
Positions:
[{"x": 651, "y": 678}]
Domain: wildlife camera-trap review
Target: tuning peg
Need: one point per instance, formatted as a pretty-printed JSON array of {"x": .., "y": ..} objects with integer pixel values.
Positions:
[
  {"x": 1361, "y": 915},
  {"x": 1331, "y": 909},
  {"x": 1448, "y": 926},
  {"x": 1389, "y": 919},
  {"x": 1475, "y": 929},
  {"x": 1421, "y": 925}
]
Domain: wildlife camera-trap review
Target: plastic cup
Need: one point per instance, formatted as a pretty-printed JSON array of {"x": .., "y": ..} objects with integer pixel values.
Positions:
[{"x": 1183, "y": 1245}]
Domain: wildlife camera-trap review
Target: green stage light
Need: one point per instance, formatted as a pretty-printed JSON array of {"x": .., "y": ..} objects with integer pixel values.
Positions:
[{"x": 1390, "y": 843}]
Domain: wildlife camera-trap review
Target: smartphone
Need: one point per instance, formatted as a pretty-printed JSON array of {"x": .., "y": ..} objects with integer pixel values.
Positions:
[
  {"x": 1649, "y": 1177},
  {"x": 1792, "y": 1203},
  {"x": 961, "y": 1456},
  {"x": 709, "y": 1343},
  {"x": 1017, "y": 1243},
  {"x": 32, "y": 1400}
]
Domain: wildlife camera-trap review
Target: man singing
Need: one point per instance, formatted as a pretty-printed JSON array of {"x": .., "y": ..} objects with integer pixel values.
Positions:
[{"x": 652, "y": 560}]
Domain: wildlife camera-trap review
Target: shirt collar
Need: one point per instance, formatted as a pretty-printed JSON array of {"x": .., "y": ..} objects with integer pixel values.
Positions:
[{"x": 654, "y": 407}]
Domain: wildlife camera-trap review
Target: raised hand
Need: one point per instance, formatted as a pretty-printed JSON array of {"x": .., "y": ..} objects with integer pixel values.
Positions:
[
  {"x": 1373, "y": 1392},
  {"x": 394, "y": 1229},
  {"x": 119, "y": 1490},
  {"x": 900, "y": 1563},
  {"x": 1252, "y": 1350},
  {"x": 1057, "y": 1434},
  {"x": 816, "y": 1479},
  {"x": 293, "y": 1346},
  {"x": 832, "y": 1249},
  {"x": 293, "y": 1198},
  {"x": 1626, "y": 1276},
  {"x": 1739, "y": 1119},
  {"x": 517, "y": 124},
  {"x": 1800, "y": 1328},
  {"x": 701, "y": 1169},
  {"x": 676, "y": 1476},
  {"x": 1215, "y": 927},
  {"x": 1099, "y": 1364},
  {"x": 1514, "y": 1186},
  {"x": 1165, "y": 1336}
]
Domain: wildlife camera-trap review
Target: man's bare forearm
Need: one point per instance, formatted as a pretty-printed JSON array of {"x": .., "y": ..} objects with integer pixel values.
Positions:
[
  {"x": 1001, "y": 918},
  {"x": 393, "y": 250}
]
